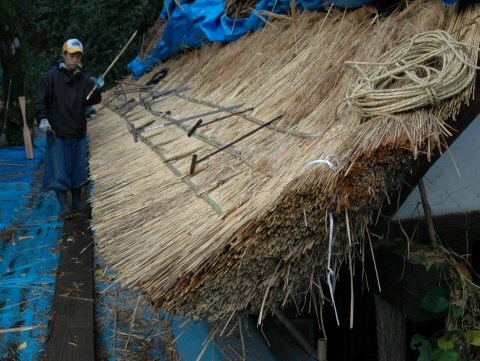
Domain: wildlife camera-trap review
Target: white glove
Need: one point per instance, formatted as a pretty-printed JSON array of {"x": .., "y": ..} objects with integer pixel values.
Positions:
[
  {"x": 99, "y": 81},
  {"x": 44, "y": 125}
]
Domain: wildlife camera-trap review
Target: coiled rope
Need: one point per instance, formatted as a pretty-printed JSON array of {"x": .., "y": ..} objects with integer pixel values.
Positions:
[{"x": 422, "y": 71}]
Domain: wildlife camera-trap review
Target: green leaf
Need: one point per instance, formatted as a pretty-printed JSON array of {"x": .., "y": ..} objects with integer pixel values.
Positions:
[
  {"x": 428, "y": 264},
  {"x": 435, "y": 300},
  {"x": 425, "y": 352},
  {"x": 416, "y": 341},
  {"x": 445, "y": 344},
  {"x": 445, "y": 355},
  {"x": 457, "y": 311},
  {"x": 452, "y": 333},
  {"x": 473, "y": 337}
]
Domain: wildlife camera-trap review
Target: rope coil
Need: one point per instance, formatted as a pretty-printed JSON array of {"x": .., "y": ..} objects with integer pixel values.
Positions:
[{"x": 422, "y": 71}]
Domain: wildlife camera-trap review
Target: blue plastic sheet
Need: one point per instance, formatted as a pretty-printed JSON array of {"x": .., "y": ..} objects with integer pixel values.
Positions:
[
  {"x": 255, "y": 22},
  {"x": 170, "y": 5},
  {"x": 28, "y": 257},
  {"x": 195, "y": 23},
  {"x": 119, "y": 312},
  {"x": 313, "y": 5},
  {"x": 192, "y": 24},
  {"x": 349, "y": 4},
  {"x": 180, "y": 33}
]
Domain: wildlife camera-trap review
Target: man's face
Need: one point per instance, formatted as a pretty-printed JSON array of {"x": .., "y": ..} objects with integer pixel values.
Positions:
[{"x": 72, "y": 61}]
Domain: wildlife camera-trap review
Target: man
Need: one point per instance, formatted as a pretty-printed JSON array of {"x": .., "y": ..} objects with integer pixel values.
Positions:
[{"x": 61, "y": 107}]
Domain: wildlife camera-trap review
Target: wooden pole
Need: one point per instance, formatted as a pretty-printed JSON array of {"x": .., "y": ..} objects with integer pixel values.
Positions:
[
  {"x": 427, "y": 211},
  {"x": 3, "y": 137},
  {"x": 26, "y": 132},
  {"x": 6, "y": 106},
  {"x": 114, "y": 61},
  {"x": 391, "y": 332}
]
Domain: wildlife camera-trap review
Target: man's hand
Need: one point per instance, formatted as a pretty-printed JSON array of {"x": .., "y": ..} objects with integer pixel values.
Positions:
[
  {"x": 44, "y": 125},
  {"x": 99, "y": 82}
]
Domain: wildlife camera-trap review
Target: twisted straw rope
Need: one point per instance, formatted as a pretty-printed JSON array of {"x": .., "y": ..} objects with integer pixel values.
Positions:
[{"x": 423, "y": 71}]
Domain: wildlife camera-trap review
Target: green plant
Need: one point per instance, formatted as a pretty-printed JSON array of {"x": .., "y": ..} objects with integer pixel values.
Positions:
[{"x": 461, "y": 339}]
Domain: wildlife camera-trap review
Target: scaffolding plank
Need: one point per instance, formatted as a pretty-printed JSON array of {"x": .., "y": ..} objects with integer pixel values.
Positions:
[{"x": 71, "y": 329}]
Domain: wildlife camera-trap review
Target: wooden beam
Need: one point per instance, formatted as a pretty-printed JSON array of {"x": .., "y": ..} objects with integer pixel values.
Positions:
[{"x": 391, "y": 332}]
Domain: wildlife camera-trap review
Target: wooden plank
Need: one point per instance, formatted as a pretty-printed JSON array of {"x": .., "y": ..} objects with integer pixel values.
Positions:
[
  {"x": 458, "y": 232},
  {"x": 71, "y": 329},
  {"x": 405, "y": 282},
  {"x": 391, "y": 332}
]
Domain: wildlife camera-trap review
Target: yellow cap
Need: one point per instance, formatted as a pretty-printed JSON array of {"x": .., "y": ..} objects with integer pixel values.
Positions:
[{"x": 73, "y": 46}]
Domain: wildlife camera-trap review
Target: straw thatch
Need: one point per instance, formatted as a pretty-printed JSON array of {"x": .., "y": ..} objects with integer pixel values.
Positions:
[
  {"x": 151, "y": 37},
  {"x": 250, "y": 229},
  {"x": 239, "y": 9}
]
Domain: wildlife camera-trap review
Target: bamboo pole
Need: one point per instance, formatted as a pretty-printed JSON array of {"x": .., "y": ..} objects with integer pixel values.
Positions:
[{"x": 113, "y": 62}]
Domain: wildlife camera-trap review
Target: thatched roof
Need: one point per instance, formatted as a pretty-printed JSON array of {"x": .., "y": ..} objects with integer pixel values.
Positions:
[{"x": 250, "y": 229}]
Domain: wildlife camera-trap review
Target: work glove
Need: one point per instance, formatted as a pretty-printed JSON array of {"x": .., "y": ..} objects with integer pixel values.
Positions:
[
  {"x": 99, "y": 82},
  {"x": 45, "y": 125}
]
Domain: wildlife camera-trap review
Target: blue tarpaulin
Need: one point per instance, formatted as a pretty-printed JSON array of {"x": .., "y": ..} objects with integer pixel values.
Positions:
[
  {"x": 190, "y": 24},
  {"x": 129, "y": 325},
  {"x": 193, "y": 24},
  {"x": 30, "y": 232}
]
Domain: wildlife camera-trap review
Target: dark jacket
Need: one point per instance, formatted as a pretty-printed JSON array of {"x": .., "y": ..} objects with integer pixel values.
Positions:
[{"x": 61, "y": 98}]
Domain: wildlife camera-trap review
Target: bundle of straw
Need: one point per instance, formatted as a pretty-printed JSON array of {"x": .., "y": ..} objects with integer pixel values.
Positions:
[
  {"x": 239, "y": 9},
  {"x": 267, "y": 221}
]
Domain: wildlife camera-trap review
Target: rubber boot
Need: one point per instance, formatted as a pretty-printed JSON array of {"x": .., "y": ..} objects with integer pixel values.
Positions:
[
  {"x": 65, "y": 211},
  {"x": 77, "y": 204}
]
